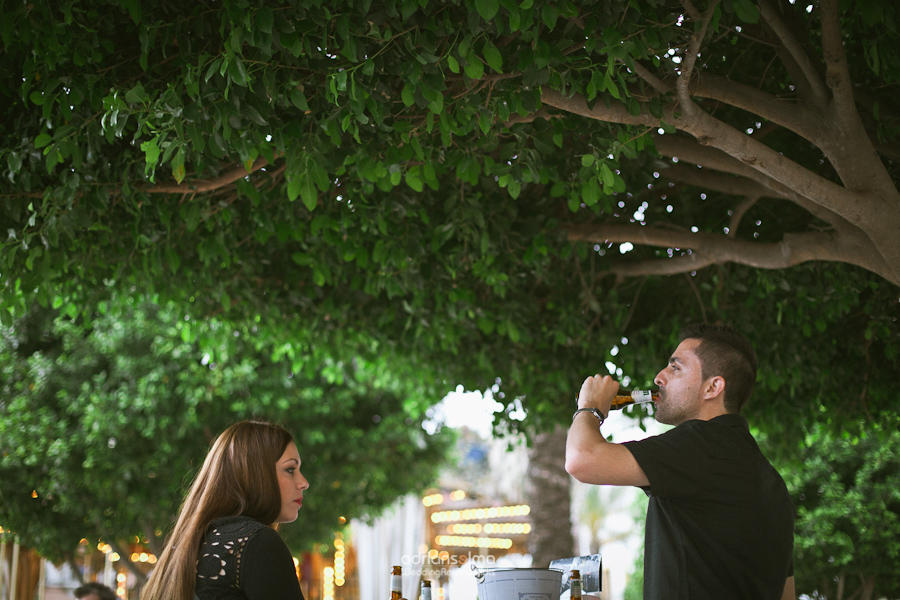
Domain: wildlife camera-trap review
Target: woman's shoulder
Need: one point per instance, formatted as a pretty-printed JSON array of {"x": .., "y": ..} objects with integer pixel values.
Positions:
[{"x": 234, "y": 528}]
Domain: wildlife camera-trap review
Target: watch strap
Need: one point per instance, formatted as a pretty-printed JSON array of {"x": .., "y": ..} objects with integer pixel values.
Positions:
[{"x": 594, "y": 411}]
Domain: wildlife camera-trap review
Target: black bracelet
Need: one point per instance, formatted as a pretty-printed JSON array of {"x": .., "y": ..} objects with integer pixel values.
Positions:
[{"x": 594, "y": 411}]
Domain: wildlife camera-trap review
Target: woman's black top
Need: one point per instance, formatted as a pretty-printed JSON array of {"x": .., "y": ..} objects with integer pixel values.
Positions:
[{"x": 242, "y": 559}]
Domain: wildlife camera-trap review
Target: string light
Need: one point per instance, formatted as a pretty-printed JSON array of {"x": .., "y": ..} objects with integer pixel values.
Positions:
[
  {"x": 473, "y": 542},
  {"x": 328, "y": 583},
  {"x": 476, "y": 528},
  {"x": 473, "y": 514},
  {"x": 432, "y": 499},
  {"x": 339, "y": 561}
]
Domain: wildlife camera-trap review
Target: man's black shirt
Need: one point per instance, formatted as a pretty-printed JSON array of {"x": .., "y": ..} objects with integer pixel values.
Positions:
[{"x": 720, "y": 523}]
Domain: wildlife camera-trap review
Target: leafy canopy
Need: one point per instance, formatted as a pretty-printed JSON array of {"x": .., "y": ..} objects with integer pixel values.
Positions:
[
  {"x": 484, "y": 187},
  {"x": 101, "y": 431},
  {"x": 848, "y": 513}
]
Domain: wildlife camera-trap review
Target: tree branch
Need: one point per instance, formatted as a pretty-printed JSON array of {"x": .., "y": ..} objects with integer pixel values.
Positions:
[
  {"x": 718, "y": 182},
  {"x": 708, "y": 249},
  {"x": 837, "y": 72},
  {"x": 761, "y": 163},
  {"x": 855, "y": 206},
  {"x": 686, "y": 149},
  {"x": 208, "y": 185},
  {"x": 682, "y": 86},
  {"x": 615, "y": 113},
  {"x": 655, "y": 82},
  {"x": 738, "y": 215},
  {"x": 793, "y": 47},
  {"x": 786, "y": 113}
]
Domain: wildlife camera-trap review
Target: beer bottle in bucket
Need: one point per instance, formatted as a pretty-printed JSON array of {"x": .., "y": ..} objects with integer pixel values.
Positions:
[
  {"x": 396, "y": 584},
  {"x": 575, "y": 585}
]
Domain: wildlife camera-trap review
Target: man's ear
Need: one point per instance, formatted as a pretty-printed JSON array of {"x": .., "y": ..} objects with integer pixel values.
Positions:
[{"x": 714, "y": 388}]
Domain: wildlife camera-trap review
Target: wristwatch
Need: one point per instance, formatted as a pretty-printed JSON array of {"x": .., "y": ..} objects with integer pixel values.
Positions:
[{"x": 594, "y": 411}]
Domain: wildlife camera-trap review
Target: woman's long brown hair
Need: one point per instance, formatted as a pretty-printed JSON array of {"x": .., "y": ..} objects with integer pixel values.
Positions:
[{"x": 238, "y": 478}]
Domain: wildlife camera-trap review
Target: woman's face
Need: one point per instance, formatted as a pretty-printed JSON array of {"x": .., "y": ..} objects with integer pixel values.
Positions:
[{"x": 291, "y": 482}]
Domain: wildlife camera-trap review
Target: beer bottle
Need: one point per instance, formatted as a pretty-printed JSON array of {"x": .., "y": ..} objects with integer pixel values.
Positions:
[
  {"x": 575, "y": 585},
  {"x": 426, "y": 590},
  {"x": 624, "y": 399},
  {"x": 396, "y": 584}
]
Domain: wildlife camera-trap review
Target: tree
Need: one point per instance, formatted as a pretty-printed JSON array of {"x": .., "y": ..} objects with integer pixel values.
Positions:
[
  {"x": 101, "y": 431},
  {"x": 472, "y": 184},
  {"x": 848, "y": 515},
  {"x": 445, "y": 156},
  {"x": 790, "y": 103}
]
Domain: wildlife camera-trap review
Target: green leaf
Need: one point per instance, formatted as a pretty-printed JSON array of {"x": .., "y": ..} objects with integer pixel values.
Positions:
[
  {"x": 746, "y": 11},
  {"x": 493, "y": 57},
  {"x": 265, "y": 19},
  {"x": 475, "y": 68},
  {"x": 178, "y": 172},
  {"x": 293, "y": 188},
  {"x": 587, "y": 160},
  {"x": 42, "y": 140},
  {"x": 253, "y": 115},
  {"x": 134, "y": 9},
  {"x": 237, "y": 72},
  {"x": 136, "y": 95},
  {"x": 407, "y": 95},
  {"x": 453, "y": 64},
  {"x": 298, "y": 99},
  {"x": 151, "y": 150},
  {"x": 487, "y": 9},
  {"x": 590, "y": 191},
  {"x": 414, "y": 179},
  {"x": 14, "y": 161},
  {"x": 549, "y": 15},
  {"x": 308, "y": 193},
  {"x": 607, "y": 175}
]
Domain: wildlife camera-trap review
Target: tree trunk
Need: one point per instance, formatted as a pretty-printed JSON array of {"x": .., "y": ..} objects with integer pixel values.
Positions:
[
  {"x": 549, "y": 494},
  {"x": 868, "y": 588}
]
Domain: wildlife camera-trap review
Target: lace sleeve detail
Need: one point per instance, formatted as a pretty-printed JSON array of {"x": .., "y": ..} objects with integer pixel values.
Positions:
[{"x": 221, "y": 556}]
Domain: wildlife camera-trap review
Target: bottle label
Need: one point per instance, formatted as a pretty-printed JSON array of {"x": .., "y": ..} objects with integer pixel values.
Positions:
[
  {"x": 642, "y": 396},
  {"x": 576, "y": 588},
  {"x": 426, "y": 593},
  {"x": 396, "y": 583}
]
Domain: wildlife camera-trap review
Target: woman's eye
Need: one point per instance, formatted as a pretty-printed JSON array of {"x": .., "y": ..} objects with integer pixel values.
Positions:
[{"x": 290, "y": 470}]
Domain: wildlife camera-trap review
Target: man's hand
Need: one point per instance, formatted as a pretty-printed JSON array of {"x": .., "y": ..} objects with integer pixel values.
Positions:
[
  {"x": 598, "y": 392},
  {"x": 589, "y": 457}
]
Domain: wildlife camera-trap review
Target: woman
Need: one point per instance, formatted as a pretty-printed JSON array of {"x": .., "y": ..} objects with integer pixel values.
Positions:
[{"x": 223, "y": 545}]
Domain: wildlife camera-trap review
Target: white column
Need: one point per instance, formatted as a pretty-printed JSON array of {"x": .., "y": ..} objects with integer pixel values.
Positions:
[
  {"x": 2, "y": 568},
  {"x": 42, "y": 580},
  {"x": 14, "y": 572},
  {"x": 3, "y": 546},
  {"x": 109, "y": 573}
]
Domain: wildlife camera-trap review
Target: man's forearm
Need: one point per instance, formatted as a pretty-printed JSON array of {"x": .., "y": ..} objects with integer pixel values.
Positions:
[{"x": 592, "y": 459}]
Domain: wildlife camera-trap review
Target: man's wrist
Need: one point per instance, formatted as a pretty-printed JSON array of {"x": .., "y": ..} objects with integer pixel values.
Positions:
[{"x": 590, "y": 410}]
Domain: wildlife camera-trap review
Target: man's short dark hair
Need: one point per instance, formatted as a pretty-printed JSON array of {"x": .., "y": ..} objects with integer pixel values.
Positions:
[
  {"x": 727, "y": 353},
  {"x": 92, "y": 587}
]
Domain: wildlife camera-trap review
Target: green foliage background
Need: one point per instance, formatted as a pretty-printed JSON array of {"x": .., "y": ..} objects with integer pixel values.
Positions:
[
  {"x": 372, "y": 198},
  {"x": 108, "y": 426}
]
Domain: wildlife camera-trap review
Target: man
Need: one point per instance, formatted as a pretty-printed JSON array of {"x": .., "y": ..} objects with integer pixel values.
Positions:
[
  {"x": 719, "y": 521},
  {"x": 94, "y": 591}
]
